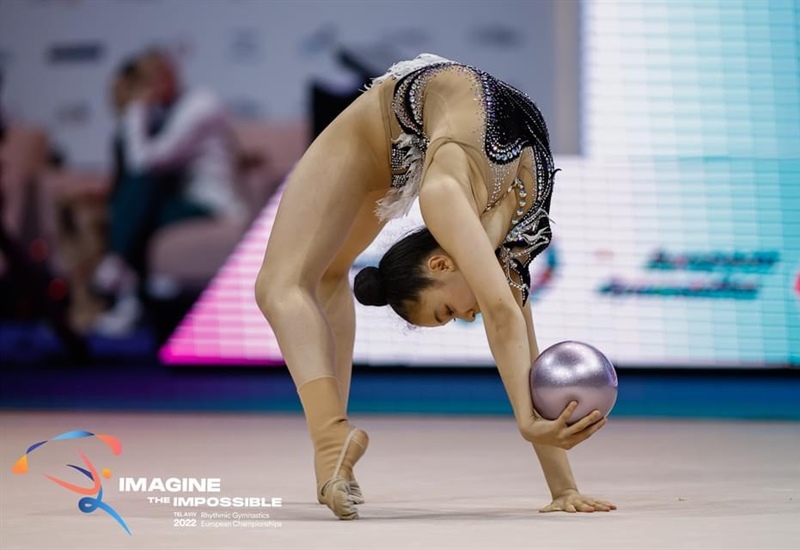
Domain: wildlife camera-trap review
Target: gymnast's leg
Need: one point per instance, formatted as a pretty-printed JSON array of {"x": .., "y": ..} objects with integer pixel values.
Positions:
[
  {"x": 336, "y": 297},
  {"x": 325, "y": 198}
]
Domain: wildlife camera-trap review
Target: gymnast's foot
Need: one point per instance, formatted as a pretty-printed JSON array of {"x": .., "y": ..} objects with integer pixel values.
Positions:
[
  {"x": 337, "y": 446},
  {"x": 355, "y": 492},
  {"x": 336, "y": 492},
  {"x": 354, "y": 489}
]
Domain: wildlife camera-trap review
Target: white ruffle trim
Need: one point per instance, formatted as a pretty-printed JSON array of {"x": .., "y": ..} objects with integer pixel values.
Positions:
[
  {"x": 402, "y": 68},
  {"x": 399, "y": 200}
]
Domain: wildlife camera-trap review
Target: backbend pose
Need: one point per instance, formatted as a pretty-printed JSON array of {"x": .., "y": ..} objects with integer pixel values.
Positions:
[{"x": 476, "y": 153}]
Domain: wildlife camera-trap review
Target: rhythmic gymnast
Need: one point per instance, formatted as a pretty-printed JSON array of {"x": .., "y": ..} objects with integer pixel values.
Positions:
[{"x": 476, "y": 153}]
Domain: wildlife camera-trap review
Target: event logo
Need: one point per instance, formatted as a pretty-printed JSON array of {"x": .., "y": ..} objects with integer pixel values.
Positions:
[
  {"x": 77, "y": 52},
  {"x": 494, "y": 35},
  {"x": 73, "y": 113},
  {"x": 719, "y": 275},
  {"x": 94, "y": 493}
]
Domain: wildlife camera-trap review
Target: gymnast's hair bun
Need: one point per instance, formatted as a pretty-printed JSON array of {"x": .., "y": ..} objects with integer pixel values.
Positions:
[{"x": 368, "y": 287}]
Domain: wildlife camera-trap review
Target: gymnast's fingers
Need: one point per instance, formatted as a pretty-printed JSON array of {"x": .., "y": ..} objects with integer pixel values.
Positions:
[
  {"x": 587, "y": 421},
  {"x": 563, "y": 418},
  {"x": 588, "y": 432},
  {"x": 606, "y": 504},
  {"x": 585, "y": 507}
]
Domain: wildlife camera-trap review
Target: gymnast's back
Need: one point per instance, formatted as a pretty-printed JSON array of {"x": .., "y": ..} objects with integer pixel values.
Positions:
[{"x": 430, "y": 101}]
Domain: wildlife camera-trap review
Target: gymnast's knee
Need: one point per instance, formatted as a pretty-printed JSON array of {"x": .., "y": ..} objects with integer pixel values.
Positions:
[
  {"x": 275, "y": 292},
  {"x": 283, "y": 291}
]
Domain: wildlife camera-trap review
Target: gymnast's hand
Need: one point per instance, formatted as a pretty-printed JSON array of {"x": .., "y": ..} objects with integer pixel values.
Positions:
[
  {"x": 572, "y": 501},
  {"x": 557, "y": 433}
]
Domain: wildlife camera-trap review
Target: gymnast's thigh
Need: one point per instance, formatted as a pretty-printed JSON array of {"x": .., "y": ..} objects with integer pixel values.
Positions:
[
  {"x": 328, "y": 195},
  {"x": 364, "y": 230}
]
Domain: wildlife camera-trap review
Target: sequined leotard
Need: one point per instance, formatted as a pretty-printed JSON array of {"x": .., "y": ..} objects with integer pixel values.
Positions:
[{"x": 507, "y": 137}]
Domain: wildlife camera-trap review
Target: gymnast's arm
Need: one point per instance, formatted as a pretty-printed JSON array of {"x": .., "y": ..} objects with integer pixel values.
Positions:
[
  {"x": 452, "y": 216},
  {"x": 450, "y": 213},
  {"x": 554, "y": 461}
]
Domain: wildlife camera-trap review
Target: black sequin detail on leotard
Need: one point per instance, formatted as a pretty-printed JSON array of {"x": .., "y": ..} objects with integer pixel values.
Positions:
[{"x": 513, "y": 123}]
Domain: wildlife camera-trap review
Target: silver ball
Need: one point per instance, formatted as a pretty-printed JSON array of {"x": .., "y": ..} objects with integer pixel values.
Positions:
[{"x": 573, "y": 371}]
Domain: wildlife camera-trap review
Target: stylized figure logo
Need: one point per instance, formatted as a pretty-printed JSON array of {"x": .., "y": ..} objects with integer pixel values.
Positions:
[{"x": 94, "y": 494}]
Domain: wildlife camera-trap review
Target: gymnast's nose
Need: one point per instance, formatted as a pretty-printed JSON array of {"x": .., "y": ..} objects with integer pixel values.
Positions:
[{"x": 470, "y": 315}]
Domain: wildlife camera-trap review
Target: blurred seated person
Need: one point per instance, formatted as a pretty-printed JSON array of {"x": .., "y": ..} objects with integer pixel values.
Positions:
[
  {"x": 175, "y": 158},
  {"x": 124, "y": 87}
]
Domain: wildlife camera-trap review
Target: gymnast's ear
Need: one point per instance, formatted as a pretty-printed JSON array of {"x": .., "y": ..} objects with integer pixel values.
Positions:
[{"x": 440, "y": 263}]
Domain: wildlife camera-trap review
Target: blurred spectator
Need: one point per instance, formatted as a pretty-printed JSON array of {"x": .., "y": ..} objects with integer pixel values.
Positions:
[
  {"x": 123, "y": 90},
  {"x": 2, "y": 112},
  {"x": 175, "y": 159},
  {"x": 29, "y": 290}
]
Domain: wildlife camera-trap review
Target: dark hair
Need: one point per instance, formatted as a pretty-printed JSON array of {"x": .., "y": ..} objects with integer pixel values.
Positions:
[
  {"x": 128, "y": 69},
  {"x": 400, "y": 275}
]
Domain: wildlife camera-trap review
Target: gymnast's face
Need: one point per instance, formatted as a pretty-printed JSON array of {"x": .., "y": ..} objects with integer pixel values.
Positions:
[{"x": 449, "y": 298}]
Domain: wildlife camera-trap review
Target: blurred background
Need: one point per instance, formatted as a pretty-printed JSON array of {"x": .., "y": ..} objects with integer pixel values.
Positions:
[{"x": 145, "y": 144}]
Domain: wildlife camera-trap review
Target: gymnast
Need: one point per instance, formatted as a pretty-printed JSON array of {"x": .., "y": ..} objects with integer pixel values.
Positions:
[{"x": 476, "y": 153}]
